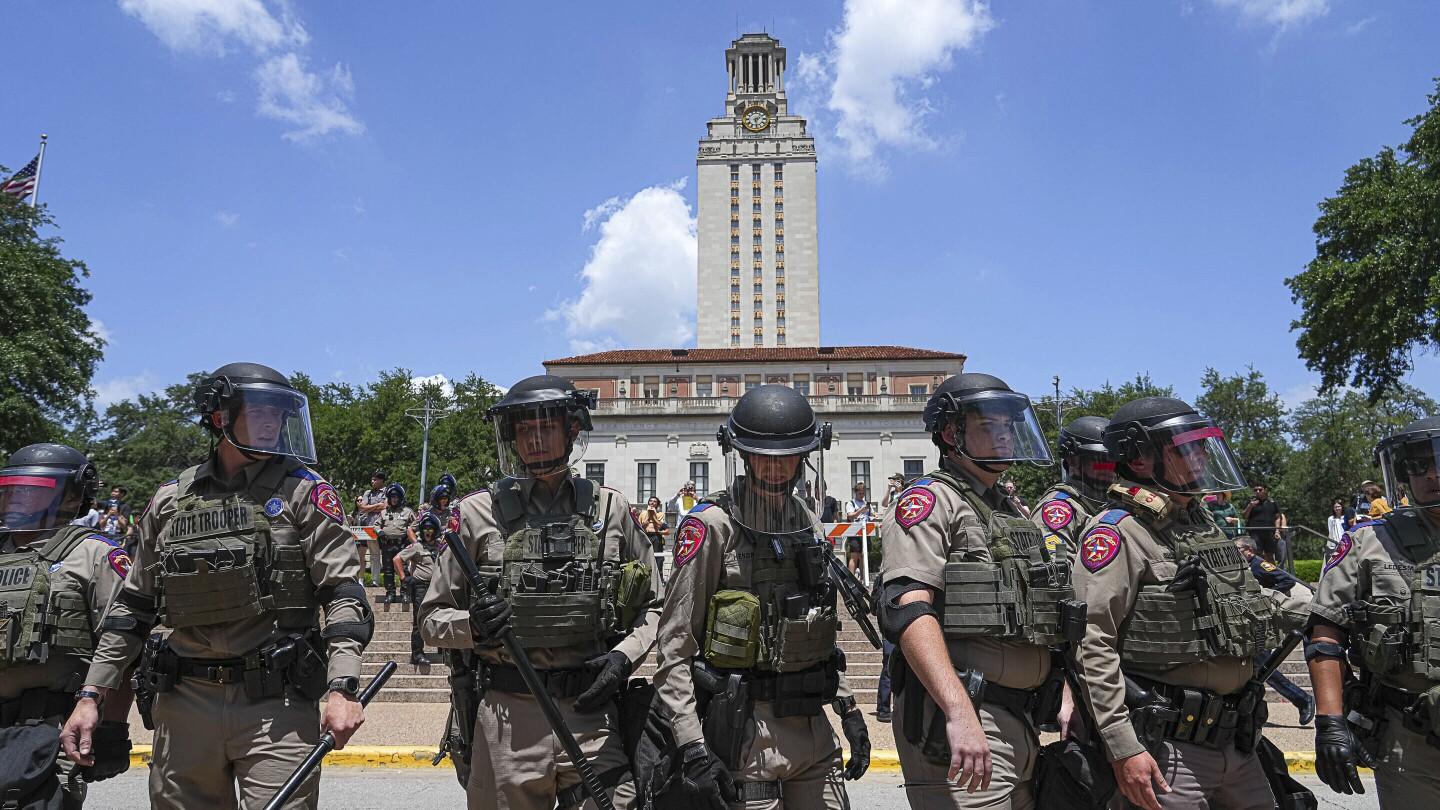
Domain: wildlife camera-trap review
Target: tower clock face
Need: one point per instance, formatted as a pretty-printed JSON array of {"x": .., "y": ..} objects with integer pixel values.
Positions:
[{"x": 755, "y": 119}]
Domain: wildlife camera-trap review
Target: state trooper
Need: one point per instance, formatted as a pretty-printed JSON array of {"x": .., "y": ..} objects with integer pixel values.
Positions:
[
  {"x": 1378, "y": 601},
  {"x": 56, "y": 580},
  {"x": 974, "y": 601},
  {"x": 1175, "y": 618},
  {"x": 442, "y": 505},
  {"x": 747, "y": 653},
  {"x": 573, "y": 571},
  {"x": 1086, "y": 473},
  {"x": 416, "y": 566},
  {"x": 238, "y": 557},
  {"x": 393, "y": 526}
]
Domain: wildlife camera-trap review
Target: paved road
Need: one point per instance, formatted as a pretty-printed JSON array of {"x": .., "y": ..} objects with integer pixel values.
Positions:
[{"x": 409, "y": 788}]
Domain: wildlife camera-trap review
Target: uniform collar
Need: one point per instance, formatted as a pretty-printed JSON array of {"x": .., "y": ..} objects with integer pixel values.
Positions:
[
  {"x": 208, "y": 475},
  {"x": 559, "y": 496},
  {"x": 990, "y": 495}
]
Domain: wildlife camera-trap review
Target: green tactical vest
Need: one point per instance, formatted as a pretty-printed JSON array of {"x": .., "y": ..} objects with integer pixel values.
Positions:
[
  {"x": 1167, "y": 630},
  {"x": 222, "y": 561},
  {"x": 1016, "y": 594},
  {"x": 40, "y": 615},
  {"x": 558, "y": 574},
  {"x": 764, "y": 617},
  {"x": 391, "y": 525},
  {"x": 1391, "y": 637}
]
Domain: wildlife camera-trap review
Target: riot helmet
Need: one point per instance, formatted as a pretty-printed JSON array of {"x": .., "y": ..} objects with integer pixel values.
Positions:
[
  {"x": 45, "y": 486},
  {"x": 430, "y": 524},
  {"x": 260, "y": 411},
  {"x": 449, "y": 480},
  {"x": 771, "y": 433},
  {"x": 395, "y": 496},
  {"x": 982, "y": 419},
  {"x": 1410, "y": 463},
  {"x": 441, "y": 491},
  {"x": 1083, "y": 459},
  {"x": 542, "y": 426},
  {"x": 1165, "y": 442}
]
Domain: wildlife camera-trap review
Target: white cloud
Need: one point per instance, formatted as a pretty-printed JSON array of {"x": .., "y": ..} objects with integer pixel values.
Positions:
[
  {"x": 1282, "y": 14},
  {"x": 878, "y": 66},
  {"x": 1359, "y": 25},
  {"x": 99, "y": 330},
  {"x": 436, "y": 379},
  {"x": 117, "y": 389},
  {"x": 315, "y": 104},
  {"x": 227, "y": 219},
  {"x": 639, "y": 284},
  {"x": 225, "y": 96}
]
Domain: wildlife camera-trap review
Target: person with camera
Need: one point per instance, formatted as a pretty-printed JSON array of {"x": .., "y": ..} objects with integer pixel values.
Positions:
[{"x": 652, "y": 522}]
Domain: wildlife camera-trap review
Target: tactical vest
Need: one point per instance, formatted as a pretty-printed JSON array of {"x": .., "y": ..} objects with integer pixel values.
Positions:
[
  {"x": 1165, "y": 630},
  {"x": 778, "y": 613},
  {"x": 40, "y": 614},
  {"x": 1390, "y": 637},
  {"x": 558, "y": 574},
  {"x": 391, "y": 525},
  {"x": 222, "y": 560},
  {"x": 1016, "y": 594}
]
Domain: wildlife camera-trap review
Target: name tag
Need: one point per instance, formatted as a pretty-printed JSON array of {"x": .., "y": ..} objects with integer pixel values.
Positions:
[
  {"x": 19, "y": 576},
  {"x": 1432, "y": 577},
  {"x": 1221, "y": 558},
  {"x": 215, "y": 520}
]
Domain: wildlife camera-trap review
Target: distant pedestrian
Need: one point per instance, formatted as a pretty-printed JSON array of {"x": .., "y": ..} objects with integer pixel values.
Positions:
[
  {"x": 1265, "y": 521},
  {"x": 1226, "y": 516},
  {"x": 1016, "y": 502},
  {"x": 857, "y": 510},
  {"x": 652, "y": 522},
  {"x": 368, "y": 507},
  {"x": 1340, "y": 520},
  {"x": 1375, "y": 496}
]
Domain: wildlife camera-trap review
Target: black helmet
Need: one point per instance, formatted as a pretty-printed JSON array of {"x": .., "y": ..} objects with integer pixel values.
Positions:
[
  {"x": 540, "y": 400},
  {"x": 429, "y": 521},
  {"x": 771, "y": 420},
  {"x": 441, "y": 491},
  {"x": 237, "y": 388},
  {"x": 772, "y": 429},
  {"x": 988, "y": 397},
  {"x": 1143, "y": 430},
  {"x": 395, "y": 491},
  {"x": 1083, "y": 458},
  {"x": 44, "y": 486},
  {"x": 449, "y": 480},
  {"x": 1408, "y": 462}
]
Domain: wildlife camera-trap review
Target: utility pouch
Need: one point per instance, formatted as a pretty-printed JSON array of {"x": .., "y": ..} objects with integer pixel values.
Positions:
[
  {"x": 732, "y": 630},
  {"x": 1365, "y": 713},
  {"x": 633, "y": 592},
  {"x": 1074, "y": 618},
  {"x": 810, "y": 562},
  {"x": 1384, "y": 648},
  {"x": 307, "y": 671},
  {"x": 933, "y": 744},
  {"x": 1048, "y": 697},
  {"x": 726, "y": 714}
]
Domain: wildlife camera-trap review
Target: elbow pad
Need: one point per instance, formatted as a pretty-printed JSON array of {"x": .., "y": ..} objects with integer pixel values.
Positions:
[
  {"x": 1323, "y": 649},
  {"x": 344, "y": 595},
  {"x": 894, "y": 617},
  {"x": 126, "y": 624},
  {"x": 141, "y": 619}
]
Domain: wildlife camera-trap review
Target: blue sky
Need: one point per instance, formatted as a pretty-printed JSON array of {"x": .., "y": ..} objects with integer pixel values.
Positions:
[{"x": 1083, "y": 188}]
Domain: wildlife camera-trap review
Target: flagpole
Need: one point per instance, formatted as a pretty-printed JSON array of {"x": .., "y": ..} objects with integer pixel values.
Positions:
[{"x": 39, "y": 164}]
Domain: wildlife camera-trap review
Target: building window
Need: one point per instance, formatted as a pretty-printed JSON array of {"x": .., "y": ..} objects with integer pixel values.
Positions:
[
  {"x": 734, "y": 209},
  {"x": 759, "y": 288},
  {"x": 700, "y": 474},
  {"x": 919, "y": 389},
  {"x": 859, "y": 474},
  {"x": 780, "y": 338},
  {"x": 595, "y": 471},
  {"x": 780, "y": 321},
  {"x": 752, "y": 381},
  {"x": 702, "y": 384},
  {"x": 735, "y": 286},
  {"x": 734, "y": 338},
  {"x": 779, "y": 208},
  {"x": 803, "y": 386},
  {"x": 652, "y": 388},
  {"x": 734, "y": 320},
  {"x": 755, "y": 207},
  {"x": 779, "y": 288},
  {"x": 914, "y": 468},
  {"x": 644, "y": 481},
  {"x": 758, "y": 341}
]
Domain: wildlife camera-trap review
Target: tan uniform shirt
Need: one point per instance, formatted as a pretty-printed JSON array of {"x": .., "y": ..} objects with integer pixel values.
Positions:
[
  {"x": 1108, "y": 579},
  {"x": 704, "y": 562},
  {"x": 393, "y": 523},
  {"x": 1367, "y": 564},
  {"x": 930, "y": 522},
  {"x": 95, "y": 567},
  {"x": 445, "y": 612},
  {"x": 1061, "y": 518},
  {"x": 419, "y": 561},
  {"x": 308, "y": 508}
]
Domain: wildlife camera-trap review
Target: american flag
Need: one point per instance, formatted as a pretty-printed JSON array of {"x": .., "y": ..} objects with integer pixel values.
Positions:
[{"x": 22, "y": 185}]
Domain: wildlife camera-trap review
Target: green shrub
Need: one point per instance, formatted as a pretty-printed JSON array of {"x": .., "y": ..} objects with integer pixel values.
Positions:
[{"x": 1308, "y": 570}]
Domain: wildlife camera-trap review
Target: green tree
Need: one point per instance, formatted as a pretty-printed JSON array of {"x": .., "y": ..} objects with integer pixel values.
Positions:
[
  {"x": 1253, "y": 418},
  {"x": 48, "y": 346},
  {"x": 1371, "y": 296},
  {"x": 147, "y": 441}
]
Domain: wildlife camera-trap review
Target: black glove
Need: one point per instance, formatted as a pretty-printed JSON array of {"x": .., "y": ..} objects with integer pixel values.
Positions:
[
  {"x": 489, "y": 617},
  {"x": 1189, "y": 576},
  {"x": 852, "y": 723},
  {"x": 614, "y": 668},
  {"x": 705, "y": 779},
  {"x": 1337, "y": 753},
  {"x": 110, "y": 744}
]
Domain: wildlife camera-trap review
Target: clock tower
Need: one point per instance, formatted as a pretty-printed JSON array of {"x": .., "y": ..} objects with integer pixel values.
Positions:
[{"x": 758, "y": 262}]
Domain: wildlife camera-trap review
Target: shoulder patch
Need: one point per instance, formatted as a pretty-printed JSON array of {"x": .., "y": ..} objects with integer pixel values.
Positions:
[
  {"x": 1342, "y": 548},
  {"x": 699, "y": 507},
  {"x": 915, "y": 504},
  {"x": 1057, "y": 514},
  {"x": 327, "y": 500},
  {"x": 1113, "y": 516},
  {"x": 1266, "y": 565},
  {"x": 274, "y": 507},
  {"x": 306, "y": 473},
  {"x": 1099, "y": 547},
  {"x": 120, "y": 561},
  {"x": 688, "y": 539}
]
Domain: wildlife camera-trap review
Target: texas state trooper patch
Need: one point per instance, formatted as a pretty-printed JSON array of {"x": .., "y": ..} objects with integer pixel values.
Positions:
[
  {"x": 1057, "y": 514},
  {"x": 327, "y": 500},
  {"x": 688, "y": 539},
  {"x": 1100, "y": 546},
  {"x": 1342, "y": 547},
  {"x": 914, "y": 506},
  {"x": 120, "y": 561}
]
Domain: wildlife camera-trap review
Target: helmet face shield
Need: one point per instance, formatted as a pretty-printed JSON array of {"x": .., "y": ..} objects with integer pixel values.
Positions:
[
  {"x": 1090, "y": 471},
  {"x": 998, "y": 426},
  {"x": 536, "y": 441},
  {"x": 33, "y": 500},
  {"x": 1411, "y": 470},
  {"x": 1193, "y": 457},
  {"x": 268, "y": 418},
  {"x": 763, "y": 497}
]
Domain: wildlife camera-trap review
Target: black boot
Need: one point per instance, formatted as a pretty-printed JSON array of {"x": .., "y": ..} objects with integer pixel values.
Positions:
[{"x": 420, "y": 659}]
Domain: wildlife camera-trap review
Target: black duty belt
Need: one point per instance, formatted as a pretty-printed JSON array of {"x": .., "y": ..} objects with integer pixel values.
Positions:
[
  {"x": 1019, "y": 702},
  {"x": 559, "y": 683},
  {"x": 759, "y": 791},
  {"x": 35, "y": 704},
  {"x": 215, "y": 670},
  {"x": 1201, "y": 716}
]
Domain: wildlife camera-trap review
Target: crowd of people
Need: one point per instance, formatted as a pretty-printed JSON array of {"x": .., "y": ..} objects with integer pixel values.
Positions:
[{"x": 1124, "y": 610}]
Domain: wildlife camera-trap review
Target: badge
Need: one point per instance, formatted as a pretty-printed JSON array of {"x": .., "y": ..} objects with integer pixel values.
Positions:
[
  {"x": 1266, "y": 565},
  {"x": 56, "y": 566},
  {"x": 327, "y": 500},
  {"x": 120, "y": 561},
  {"x": 1342, "y": 547},
  {"x": 914, "y": 506},
  {"x": 1057, "y": 514},
  {"x": 274, "y": 507},
  {"x": 1100, "y": 546},
  {"x": 688, "y": 540}
]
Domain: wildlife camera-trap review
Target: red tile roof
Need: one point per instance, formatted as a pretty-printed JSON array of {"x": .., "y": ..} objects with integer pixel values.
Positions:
[{"x": 793, "y": 354}]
